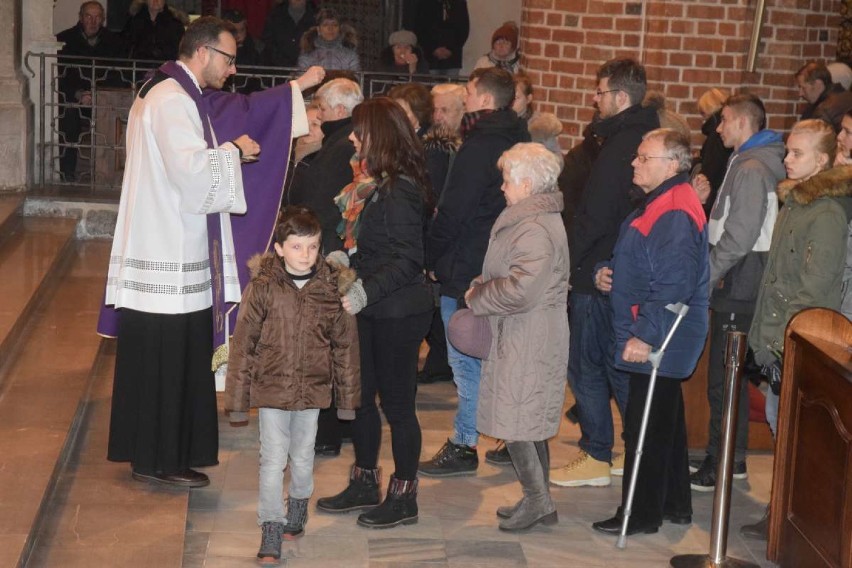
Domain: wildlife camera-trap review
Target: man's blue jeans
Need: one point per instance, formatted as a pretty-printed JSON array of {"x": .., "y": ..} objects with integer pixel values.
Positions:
[
  {"x": 591, "y": 366},
  {"x": 466, "y": 372}
]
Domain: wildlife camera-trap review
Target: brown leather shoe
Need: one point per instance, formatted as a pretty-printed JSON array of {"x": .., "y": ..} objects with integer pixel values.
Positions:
[{"x": 185, "y": 478}]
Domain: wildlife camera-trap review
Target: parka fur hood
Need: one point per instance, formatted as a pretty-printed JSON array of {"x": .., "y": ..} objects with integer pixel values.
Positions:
[
  {"x": 836, "y": 182},
  {"x": 137, "y": 5},
  {"x": 442, "y": 139},
  {"x": 269, "y": 265}
]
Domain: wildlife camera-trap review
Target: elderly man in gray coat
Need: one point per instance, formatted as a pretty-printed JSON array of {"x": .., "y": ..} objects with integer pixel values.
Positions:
[{"x": 523, "y": 291}]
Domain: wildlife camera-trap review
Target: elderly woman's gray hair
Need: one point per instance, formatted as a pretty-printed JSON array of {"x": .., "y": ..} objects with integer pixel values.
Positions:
[
  {"x": 676, "y": 145},
  {"x": 341, "y": 91},
  {"x": 532, "y": 161}
]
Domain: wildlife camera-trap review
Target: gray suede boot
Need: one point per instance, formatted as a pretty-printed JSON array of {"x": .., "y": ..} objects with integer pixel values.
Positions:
[
  {"x": 543, "y": 451},
  {"x": 530, "y": 460}
]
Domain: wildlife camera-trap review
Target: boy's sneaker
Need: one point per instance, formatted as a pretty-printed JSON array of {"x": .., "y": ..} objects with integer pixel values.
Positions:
[
  {"x": 704, "y": 479},
  {"x": 270, "y": 542},
  {"x": 451, "y": 460},
  {"x": 617, "y": 467},
  {"x": 499, "y": 455},
  {"x": 585, "y": 470}
]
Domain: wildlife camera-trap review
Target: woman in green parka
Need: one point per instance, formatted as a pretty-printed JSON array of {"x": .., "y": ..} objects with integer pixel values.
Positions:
[{"x": 808, "y": 252}]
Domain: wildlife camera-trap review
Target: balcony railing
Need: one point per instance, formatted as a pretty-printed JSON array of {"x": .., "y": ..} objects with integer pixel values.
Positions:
[{"x": 81, "y": 108}]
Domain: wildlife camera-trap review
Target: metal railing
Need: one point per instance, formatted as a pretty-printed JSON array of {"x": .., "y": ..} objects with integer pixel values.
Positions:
[{"x": 82, "y": 104}]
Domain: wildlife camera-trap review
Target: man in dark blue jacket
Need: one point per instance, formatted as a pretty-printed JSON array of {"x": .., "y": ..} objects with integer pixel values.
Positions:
[
  {"x": 458, "y": 239},
  {"x": 661, "y": 258},
  {"x": 604, "y": 205}
]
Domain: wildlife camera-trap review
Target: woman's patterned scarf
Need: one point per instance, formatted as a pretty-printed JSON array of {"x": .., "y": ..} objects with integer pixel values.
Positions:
[{"x": 351, "y": 201}]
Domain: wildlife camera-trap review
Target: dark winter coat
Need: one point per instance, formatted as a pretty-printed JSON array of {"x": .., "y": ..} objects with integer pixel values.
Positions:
[
  {"x": 157, "y": 40},
  {"x": 574, "y": 176},
  {"x": 77, "y": 78},
  {"x": 661, "y": 258},
  {"x": 807, "y": 258},
  {"x": 471, "y": 201},
  {"x": 281, "y": 35},
  {"x": 292, "y": 347},
  {"x": 389, "y": 259},
  {"x": 441, "y": 148},
  {"x": 433, "y": 30},
  {"x": 606, "y": 200},
  {"x": 524, "y": 292},
  {"x": 713, "y": 157},
  {"x": 329, "y": 173}
]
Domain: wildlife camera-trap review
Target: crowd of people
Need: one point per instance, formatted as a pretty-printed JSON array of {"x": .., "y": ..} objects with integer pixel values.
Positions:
[{"x": 451, "y": 215}]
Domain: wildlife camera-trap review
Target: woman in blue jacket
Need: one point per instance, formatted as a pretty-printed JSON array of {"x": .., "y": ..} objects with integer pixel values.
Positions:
[{"x": 660, "y": 258}]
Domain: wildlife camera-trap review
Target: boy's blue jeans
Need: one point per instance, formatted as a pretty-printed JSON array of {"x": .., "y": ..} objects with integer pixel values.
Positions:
[
  {"x": 283, "y": 433},
  {"x": 466, "y": 374}
]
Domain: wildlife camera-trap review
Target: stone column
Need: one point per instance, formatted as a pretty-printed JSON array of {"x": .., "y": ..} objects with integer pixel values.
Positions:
[
  {"x": 38, "y": 38},
  {"x": 14, "y": 111}
]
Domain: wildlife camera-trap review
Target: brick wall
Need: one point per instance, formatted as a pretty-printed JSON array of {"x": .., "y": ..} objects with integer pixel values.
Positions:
[{"x": 688, "y": 46}]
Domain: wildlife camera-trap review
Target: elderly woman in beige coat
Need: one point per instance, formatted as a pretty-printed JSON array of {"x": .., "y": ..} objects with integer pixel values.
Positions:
[{"x": 523, "y": 291}]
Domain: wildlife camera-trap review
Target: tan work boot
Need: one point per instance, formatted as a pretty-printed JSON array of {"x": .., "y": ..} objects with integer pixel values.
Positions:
[
  {"x": 617, "y": 467},
  {"x": 585, "y": 470}
]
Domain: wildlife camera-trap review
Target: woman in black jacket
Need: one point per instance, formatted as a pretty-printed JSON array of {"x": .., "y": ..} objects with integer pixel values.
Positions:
[{"x": 394, "y": 307}]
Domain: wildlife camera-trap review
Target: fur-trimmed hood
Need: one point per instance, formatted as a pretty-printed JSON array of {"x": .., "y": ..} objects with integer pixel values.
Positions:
[
  {"x": 137, "y": 5},
  {"x": 269, "y": 265},
  {"x": 348, "y": 38},
  {"x": 441, "y": 139},
  {"x": 836, "y": 182}
]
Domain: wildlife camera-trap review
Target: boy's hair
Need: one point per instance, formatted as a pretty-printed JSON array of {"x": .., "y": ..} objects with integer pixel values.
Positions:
[{"x": 299, "y": 221}]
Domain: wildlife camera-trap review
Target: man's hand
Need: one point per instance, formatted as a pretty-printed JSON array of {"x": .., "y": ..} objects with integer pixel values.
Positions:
[
  {"x": 702, "y": 187},
  {"x": 603, "y": 279},
  {"x": 442, "y": 53},
  {"x": 636, "y": 351},
  {"x": 311, "y": 78},
  {"x": 248, "y": 147}
]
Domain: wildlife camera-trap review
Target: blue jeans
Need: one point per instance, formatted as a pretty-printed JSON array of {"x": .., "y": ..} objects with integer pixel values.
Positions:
[
  {"x": 283, "y": 433},
  {"x": 591, "y": 366},
  {"x": 771, "y": 409},
  {"x": 466, "y": 373}
]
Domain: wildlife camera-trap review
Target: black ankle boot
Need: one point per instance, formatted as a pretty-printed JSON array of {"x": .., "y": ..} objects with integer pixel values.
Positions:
[
  {"x": 361, "y": 493},
  {"x": 399, "y": 508},
  {"x": 297, "y": 517}
]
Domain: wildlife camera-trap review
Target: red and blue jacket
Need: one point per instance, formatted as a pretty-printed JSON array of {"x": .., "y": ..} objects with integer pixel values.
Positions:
[{"x": 661, "y": 258}]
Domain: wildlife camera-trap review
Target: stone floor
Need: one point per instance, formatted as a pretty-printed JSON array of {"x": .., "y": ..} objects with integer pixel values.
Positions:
[{"x": 457, "y": 525}]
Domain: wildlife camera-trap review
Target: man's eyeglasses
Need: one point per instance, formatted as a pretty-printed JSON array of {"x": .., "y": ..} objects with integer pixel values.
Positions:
[
  {"x": 600, "y": 93},
  {"x": 644, "y": 158},
  {"x": 231, "y": 58}
]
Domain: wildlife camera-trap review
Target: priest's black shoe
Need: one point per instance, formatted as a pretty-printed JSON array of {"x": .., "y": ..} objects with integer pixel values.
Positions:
[
  {"x": 186, "y": 478},
  {"x": 329, "y": 450},
  {"x": 677, "y": 519},
  {"x": 613, "y": 526}
]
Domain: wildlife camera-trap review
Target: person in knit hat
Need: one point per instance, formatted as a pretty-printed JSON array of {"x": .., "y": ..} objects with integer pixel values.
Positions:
[
  {"x": 402, "y": 55},
  {"x": 504, "y": 50}
]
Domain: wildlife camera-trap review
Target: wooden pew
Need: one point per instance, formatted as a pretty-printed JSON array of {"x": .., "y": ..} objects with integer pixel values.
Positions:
[{"x": 810, "y": 523}]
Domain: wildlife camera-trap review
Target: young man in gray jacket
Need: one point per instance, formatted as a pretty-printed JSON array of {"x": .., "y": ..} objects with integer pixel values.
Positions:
[{"x": 740, "y": 231}]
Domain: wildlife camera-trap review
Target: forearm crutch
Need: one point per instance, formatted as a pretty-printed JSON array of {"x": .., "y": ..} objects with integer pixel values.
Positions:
[{"x": 654, "y": 358}]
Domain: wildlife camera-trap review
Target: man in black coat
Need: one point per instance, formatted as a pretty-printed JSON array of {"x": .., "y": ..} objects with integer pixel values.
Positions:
[
  {"x": 330, "y": 171},
  {"x": 285, "y": 25},
  {"x": 458, "y": 239},
  {"x": 605, "y": 202},
  {"x": 89, "y": 38},
  {"x": 442, "y": 26}
]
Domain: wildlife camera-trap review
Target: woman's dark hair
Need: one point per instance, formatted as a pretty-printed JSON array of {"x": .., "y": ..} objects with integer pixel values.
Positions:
[
  {"x": 418, "y": 97},
  {"x": 390, "y": 145},
  {"x": 299, "y": 221}
]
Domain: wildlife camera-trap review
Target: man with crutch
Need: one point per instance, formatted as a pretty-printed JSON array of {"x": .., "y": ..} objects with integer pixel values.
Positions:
[{"x": 660, "y": 259}]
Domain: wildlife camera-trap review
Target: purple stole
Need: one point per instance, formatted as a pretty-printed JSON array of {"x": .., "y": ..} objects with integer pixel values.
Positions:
[{"x": 266, "y": 116}]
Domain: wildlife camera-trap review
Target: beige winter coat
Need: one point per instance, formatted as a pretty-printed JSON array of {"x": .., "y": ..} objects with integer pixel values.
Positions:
[{"x": 524, "y": 291}]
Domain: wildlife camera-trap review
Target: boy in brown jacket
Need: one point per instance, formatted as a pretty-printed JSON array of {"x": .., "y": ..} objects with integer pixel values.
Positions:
[{"x": 292, "y": 346}]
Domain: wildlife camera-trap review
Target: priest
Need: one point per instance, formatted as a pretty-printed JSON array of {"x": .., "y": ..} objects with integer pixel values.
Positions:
[{"x": 174, "y": 273}]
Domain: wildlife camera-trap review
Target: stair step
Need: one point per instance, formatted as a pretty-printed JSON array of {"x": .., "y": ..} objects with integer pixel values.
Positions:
[
  {"x": 43, "y": 385},
  {"x": 33, "y": 251},
  {"x": 10, "y": 212}
]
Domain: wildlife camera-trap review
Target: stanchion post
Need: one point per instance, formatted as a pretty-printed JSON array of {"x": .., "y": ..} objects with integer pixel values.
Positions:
[{"x": 735, "y": 351}]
